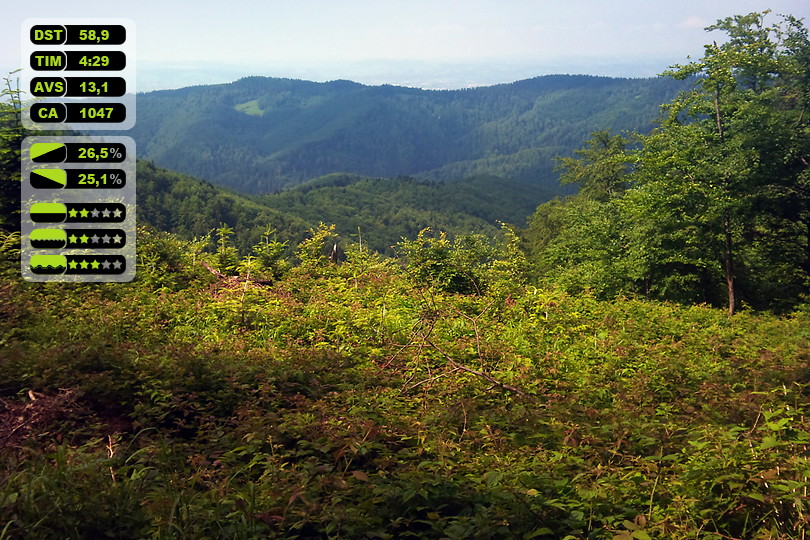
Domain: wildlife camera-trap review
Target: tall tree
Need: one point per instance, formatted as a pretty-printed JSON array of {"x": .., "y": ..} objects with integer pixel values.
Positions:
[{"x": 733, "y": 145}]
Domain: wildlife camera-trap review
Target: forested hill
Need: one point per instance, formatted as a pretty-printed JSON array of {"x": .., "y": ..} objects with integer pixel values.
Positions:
[
  {"x": 381, "y": 210},
  {"x": 260, "y": 134}
]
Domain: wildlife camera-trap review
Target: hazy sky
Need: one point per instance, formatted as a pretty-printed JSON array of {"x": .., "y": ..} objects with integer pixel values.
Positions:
[{"x": 431, "y": 43}]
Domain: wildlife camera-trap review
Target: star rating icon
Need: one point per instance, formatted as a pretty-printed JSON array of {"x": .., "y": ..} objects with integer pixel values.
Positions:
[
  {"x": 96, "y": 265},
  {"x": 89, "y": 264},
  {"x": 101, "y": 238},
  {"x": 97, "y": 213},
  {"x": 97, "y": 242}
]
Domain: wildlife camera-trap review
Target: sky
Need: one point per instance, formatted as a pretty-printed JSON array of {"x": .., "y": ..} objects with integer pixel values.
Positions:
[{"x": 421, "y": 43}]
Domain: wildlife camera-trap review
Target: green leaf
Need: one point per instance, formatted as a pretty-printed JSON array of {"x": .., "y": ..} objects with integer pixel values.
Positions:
[
  {"x": 778, "y": 426},
  {"x": 768, "y": 442}
]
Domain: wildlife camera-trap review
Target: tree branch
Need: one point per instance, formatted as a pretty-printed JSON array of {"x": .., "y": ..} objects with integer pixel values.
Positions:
[{"x": 481, "y": 374}]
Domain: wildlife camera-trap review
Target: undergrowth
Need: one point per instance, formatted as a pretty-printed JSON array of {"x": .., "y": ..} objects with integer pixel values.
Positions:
[{"x": 442, "y": 398}]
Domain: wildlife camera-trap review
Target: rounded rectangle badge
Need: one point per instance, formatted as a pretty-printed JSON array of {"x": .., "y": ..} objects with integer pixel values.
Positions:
[{"x": 78, "y": 74}]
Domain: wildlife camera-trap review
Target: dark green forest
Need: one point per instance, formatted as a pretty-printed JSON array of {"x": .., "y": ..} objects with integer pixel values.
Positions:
[
  {"x": 260, "y": 134},
  {"x": 380, "y": 211},
  {"x": 628, "y": 360}
]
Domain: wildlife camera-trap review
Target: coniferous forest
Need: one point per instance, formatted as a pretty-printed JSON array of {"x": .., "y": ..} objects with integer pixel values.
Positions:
[{"x": 375, "y": 355}]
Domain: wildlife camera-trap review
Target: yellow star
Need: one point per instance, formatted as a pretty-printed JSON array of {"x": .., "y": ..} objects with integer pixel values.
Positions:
[
  {"x": 94, "y": 265},
  {"x": 73, "y": 212},
  {"x": 72, "y": 265},
  {"x": 84, "y": 213},
  {"x": 72, "y": 238},
  {"x": 83, "y": 238},
  {"x": 84, "y": 265}
]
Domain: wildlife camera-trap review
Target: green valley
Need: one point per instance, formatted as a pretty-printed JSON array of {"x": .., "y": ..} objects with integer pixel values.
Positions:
[{"x": 381, "y": 210}]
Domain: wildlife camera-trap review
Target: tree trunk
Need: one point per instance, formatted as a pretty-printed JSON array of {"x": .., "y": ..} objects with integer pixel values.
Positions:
[
  {"x": 728, "y": 255},
  {"x": 728, "y": 251},
  {"x": 717, "y": 113}
]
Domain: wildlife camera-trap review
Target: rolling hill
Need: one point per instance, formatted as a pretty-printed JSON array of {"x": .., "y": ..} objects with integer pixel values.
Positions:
[
  {"x": 383, "y": 210},
  {"x": 258, "y": 134}
]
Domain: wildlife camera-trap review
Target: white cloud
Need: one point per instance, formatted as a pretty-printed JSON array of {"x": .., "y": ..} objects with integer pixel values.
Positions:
[{"x": 694, "y": 21}]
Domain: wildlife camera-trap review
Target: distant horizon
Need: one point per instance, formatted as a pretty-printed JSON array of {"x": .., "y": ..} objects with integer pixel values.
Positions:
[
  {"x": 408, "y": 74},
  {"x": 429, "y": 44}
]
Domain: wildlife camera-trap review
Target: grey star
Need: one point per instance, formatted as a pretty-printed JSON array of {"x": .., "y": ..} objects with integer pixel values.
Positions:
[
  {"x": 106, "y": 238},
  {"x": 94, "y": 213},
  {"x": 117, "y": 239},
  {"x": 105, "y": 213},
  {"x": 106, "y": 264},
  {"x": 117, "y": 213},
  {"x": 117, "y": 265},
  {"x": 94, "y": 239}
]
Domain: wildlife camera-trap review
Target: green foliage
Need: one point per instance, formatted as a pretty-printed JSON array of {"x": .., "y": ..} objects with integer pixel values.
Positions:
[
  {"x": 509, "y": 271},
  {"x": 721, "y": 163},
  {"x": 312, "y": 251},
  {"x": 456, "y": 266},
  {"x": 600, "y": 168},
  {"x": 468, "y": 264},
  {"x": 172, "y": 202},
  {"x": 9, "y": 253},
  {"x": 227, "y": 257},
  {"x": 11, "y": 136},
  {"x": 716, "y": 207},
  {"x": 389, "y": 209},
  {"x": 270, "y": 262},
  {"x": 581, "y": 245},
  {"x": 344, "y": 400}
]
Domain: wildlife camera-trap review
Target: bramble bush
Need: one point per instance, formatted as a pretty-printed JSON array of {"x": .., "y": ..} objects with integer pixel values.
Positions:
[{"x": 438, "y": 396}]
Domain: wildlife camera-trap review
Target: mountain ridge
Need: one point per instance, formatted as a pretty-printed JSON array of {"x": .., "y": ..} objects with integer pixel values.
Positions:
[{"x": 260, "y": 134}]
